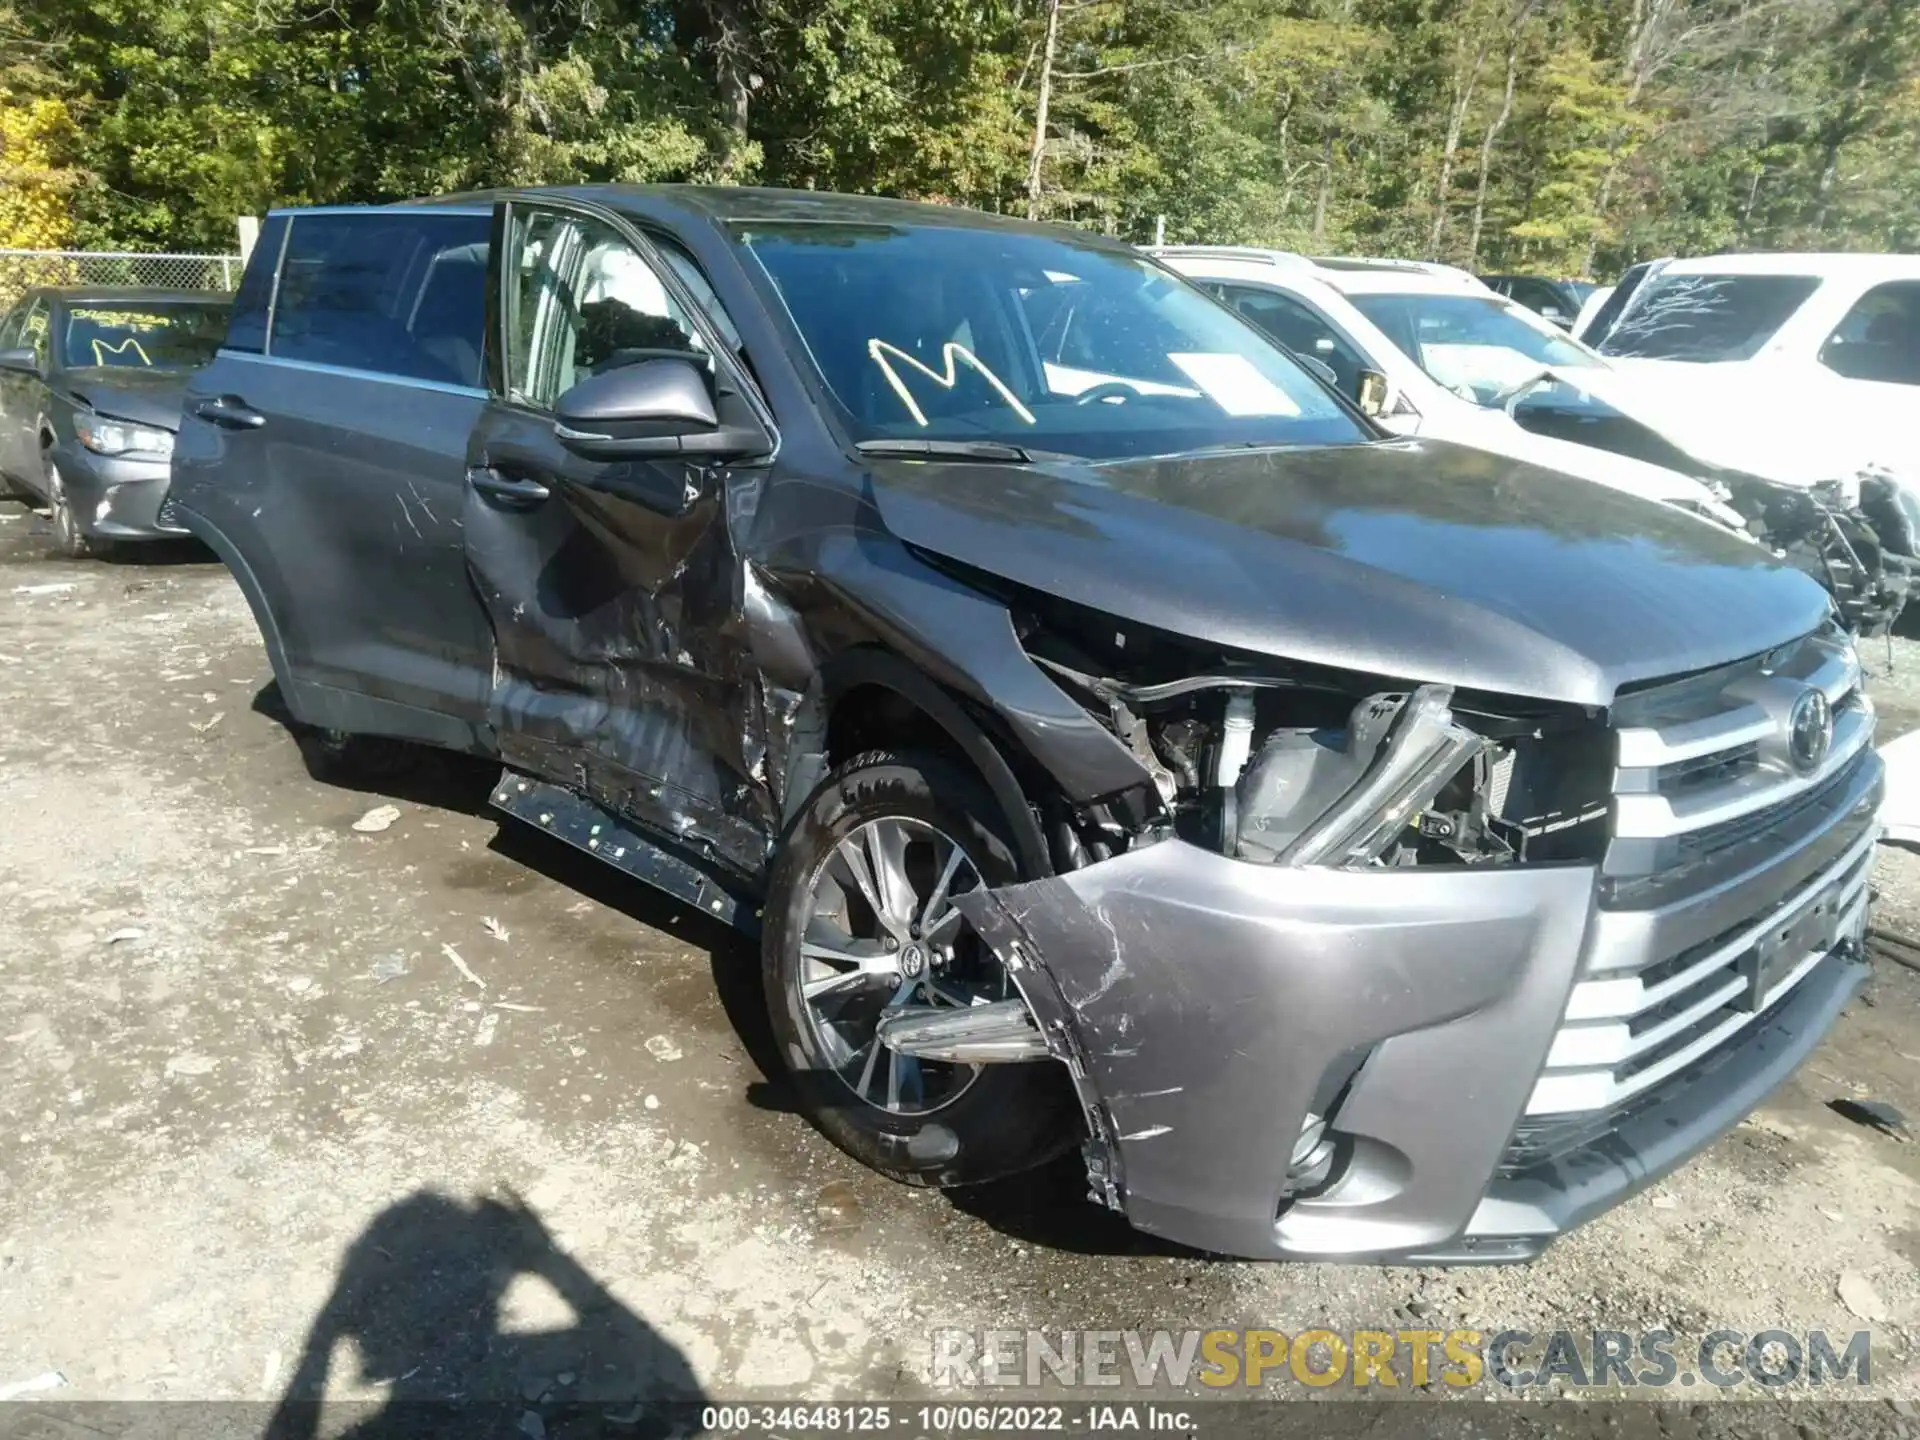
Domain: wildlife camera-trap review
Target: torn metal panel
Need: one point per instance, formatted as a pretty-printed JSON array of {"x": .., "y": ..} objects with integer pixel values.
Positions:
[
  {"x": 615, "y": 667},
  {"x": 587, "y": 827},
  {"x": 966, "y": 641},
  {"x": 1211, "y": 1000}
]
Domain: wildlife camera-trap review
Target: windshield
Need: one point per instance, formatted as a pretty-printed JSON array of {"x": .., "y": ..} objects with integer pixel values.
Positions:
[
  {"x": 144, "y": 335},
  {"x": 1706, "y": 317},
  {"x": 1478, "y": 346},
  {"x": 941, "y": 332}
]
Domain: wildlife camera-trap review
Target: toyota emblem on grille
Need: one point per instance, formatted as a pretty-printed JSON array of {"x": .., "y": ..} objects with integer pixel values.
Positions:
[{"x": 1809, "y": 731}]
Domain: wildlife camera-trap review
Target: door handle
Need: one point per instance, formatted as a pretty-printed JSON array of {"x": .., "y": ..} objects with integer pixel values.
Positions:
[
  {"x": 495, "y": 486},
  {"x": 230, "y": 412}
]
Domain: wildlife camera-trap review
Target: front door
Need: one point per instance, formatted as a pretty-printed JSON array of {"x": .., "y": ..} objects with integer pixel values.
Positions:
[{"x": 609, "y": 584}]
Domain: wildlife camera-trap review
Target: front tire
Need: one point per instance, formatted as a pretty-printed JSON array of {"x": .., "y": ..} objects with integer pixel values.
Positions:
[
  {"x": 68, "y": 538},
  {"x": 857, "y": 922}
]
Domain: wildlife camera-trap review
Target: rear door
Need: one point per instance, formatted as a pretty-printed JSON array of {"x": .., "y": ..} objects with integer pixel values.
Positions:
[
  {"x": 610, "y": 584},
  {"x": 336, "y": 466}
]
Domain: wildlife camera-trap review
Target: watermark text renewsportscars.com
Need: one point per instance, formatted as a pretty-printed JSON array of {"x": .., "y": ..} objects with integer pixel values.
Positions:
[{"x": 1516, "y": 1359}]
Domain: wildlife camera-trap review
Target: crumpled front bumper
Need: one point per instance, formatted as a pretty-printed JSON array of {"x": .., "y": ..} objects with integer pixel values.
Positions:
[
  {"x": 116, "y": 498},
  {"x": 1208, "y": 1005}
]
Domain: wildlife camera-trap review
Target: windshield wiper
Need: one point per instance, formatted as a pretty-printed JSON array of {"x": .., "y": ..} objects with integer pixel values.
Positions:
[{"x": 948, "y": 450}]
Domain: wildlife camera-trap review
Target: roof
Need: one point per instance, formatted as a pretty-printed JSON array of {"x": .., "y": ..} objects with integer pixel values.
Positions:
[
  {"x": 1395, "y": 280},
  {"x": 1835, "y": 264},
  {"x": 129, "y": 294},
  {"x": 1348, "y": 276},
  {"x": 736, "y": 205}
]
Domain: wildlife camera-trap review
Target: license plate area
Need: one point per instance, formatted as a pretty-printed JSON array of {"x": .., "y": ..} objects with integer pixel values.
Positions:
[{"x": 1815, "y": 928}]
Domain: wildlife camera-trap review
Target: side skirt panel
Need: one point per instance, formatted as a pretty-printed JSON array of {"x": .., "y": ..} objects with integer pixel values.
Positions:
[{"x": 586, "y": 826}]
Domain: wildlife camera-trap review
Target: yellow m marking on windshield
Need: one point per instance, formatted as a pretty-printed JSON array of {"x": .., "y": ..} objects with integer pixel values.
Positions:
[
  {"x": 951, "y": 356},
  {"x": 101, "y": 349}
]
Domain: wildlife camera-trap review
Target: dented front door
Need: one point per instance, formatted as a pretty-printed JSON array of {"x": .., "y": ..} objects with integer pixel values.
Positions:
[{"x": 609, "y": 584}]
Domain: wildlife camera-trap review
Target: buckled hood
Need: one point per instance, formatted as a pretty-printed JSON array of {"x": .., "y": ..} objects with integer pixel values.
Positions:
[
  {"x": 1417, "y": 559},
  {"x": 127, "y": 392}
]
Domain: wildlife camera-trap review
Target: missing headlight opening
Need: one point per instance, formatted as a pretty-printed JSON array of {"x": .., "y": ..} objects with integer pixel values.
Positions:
[{"x": 1319, "y": 769}]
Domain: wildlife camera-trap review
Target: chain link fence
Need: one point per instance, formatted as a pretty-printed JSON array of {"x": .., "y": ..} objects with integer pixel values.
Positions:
[{"x": 21, "y": 270}]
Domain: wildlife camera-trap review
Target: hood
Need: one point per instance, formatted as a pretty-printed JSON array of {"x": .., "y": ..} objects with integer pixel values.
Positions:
[
  {"x": 1418, "y": 560},
  {"x": 1501, "y": 433},
  {"x": 127, "y": 392},
  {"x": 1779, "y": 424}
]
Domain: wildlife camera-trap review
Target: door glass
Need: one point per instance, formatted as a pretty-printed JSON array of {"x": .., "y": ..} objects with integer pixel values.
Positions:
[
  {"x": 1302, "y": 330},
  {"x": 247, "y": 329},
  {"x": 400, "y": 293},
  {"x": 1537, "y": 297},
  {"x": 581, "y": 301},
  {"x": 1880, "y": 337},
  {"x": 33, "y": 331}
]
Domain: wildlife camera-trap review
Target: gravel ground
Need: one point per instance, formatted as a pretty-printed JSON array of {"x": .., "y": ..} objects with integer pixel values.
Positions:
[{"x": 254, "y": 1106}]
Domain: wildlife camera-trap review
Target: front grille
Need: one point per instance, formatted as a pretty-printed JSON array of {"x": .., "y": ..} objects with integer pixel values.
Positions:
[
  {"x": 1548, "y": 1139},
  {"x": 1695, "y": 761},
  {"x": 168, "y": 517},
  {"x": 1705, "y": 779}
]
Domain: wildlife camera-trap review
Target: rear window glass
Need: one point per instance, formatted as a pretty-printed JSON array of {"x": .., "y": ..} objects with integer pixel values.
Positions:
[
  {"x": 247, "y": 329},
  {"x": 1706, "y": 318},
  {"x": 403, "y": 294}
]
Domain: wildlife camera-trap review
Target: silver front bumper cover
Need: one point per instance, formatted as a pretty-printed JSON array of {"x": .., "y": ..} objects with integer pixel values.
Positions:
[{"x": 1208, "y": 1006}]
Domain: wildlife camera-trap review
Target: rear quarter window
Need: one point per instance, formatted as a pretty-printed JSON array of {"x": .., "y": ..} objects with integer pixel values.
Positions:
[{"x": 400, "y": 294}]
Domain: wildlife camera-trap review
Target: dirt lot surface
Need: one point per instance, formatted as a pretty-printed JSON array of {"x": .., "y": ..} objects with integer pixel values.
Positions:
[{"x": 254, "y": 1106}]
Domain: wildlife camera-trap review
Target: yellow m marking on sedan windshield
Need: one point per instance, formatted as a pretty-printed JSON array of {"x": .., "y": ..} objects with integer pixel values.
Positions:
[{"x": 101, "y": 349}]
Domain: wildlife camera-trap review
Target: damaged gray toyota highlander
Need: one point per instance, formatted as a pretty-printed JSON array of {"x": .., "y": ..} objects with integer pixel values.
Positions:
[{"x": 1357, "y": 846}]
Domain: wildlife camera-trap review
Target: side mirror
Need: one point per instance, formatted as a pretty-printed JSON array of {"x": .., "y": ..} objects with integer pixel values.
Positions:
[
  {"x": 660, "y": 407},
  {"x": 1373, "y": 393},
  {"x": 21, "y": 360}
]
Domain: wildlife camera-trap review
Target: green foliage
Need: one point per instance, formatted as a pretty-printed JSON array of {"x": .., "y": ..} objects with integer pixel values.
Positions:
[{"x": 1377, "y": 126}]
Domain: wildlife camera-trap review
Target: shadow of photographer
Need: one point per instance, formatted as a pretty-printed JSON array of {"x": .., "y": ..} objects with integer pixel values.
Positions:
[{"x": 419, "y": 1300}]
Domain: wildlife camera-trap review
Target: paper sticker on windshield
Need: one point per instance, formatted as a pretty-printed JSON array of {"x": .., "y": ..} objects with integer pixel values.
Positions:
[{"x": 1235, "y": 384}]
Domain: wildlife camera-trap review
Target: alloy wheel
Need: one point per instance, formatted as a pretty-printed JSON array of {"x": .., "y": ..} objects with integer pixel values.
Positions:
[{"x": 883, "y": 935}]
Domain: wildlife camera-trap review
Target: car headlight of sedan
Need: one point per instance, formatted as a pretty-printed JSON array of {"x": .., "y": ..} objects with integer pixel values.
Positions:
[{"x": 122, "y": 437}]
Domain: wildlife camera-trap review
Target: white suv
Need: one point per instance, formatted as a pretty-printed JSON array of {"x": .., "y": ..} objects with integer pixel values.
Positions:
[
  {"x": 1449, "y": 350},
  {"x": 1801, "y": 368},
  {"x": 1431, "y": 351}
]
